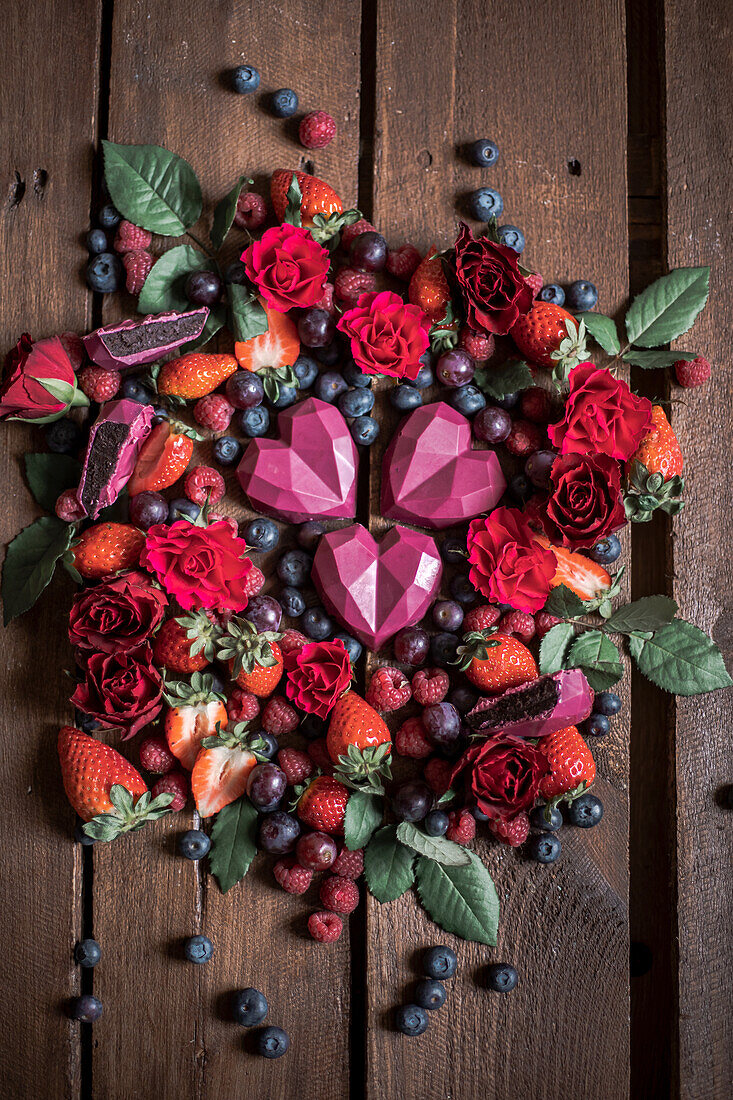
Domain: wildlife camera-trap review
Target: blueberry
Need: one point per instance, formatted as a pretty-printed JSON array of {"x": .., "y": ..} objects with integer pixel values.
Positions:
[
  {"x": 544, "y": 847},
  {"x": 467, "y": 399},
  {"x": 245, "y": 78},
  {"x": 520, "y": 487},
  {"x": 463, "y": 698},
  {"x": 309, "y": 534},
  {"x": 597, "y": 725},
  {"x": 217, "y": 684},
  {"x": 356, "y": 402},
  {"x": 461, "y": 589},
  {"x": 447, "y": 615},
  {"x": 134, "y": 390},
  {"x": 486, "y": 203},
  {"x": 294, "y": 567},
  {"x": 254, "y": 422},
  {"x": 425, "y": 376},
  {"x": 553, "y": 294},
  {"x": 306, "y": 371},
  {"x": 330, "y": 385},
  {"x": 181, "y": 508},
  {"x": 86, "y": 1008},
  {"x": 63, "y": 437},
  {"x": 266, "y": 744},
  {"x": 508, "y": 401},
  {"x": 198, "y": 949},
  {"x": 442, "y": 725},
  {"x": 249, "y": 1007},
  {"x": 264, "y": 612},
  {"x": 193, "y": 844},
  {"x": 284, "y": 103},
  {"x": 430, "y": 994},
  {"x": 261, "y": 534},
  {"x": 582, "y": 295},
  {"x": 235, "y": 272},
  {"x": 286, "y": 396},
  {"x": 96, "y": 241},
  {"x": 160, "y": 414},
  {"x": 484, "y": 153},
  {"x": 453, "y": 550},
  {"x": 351, "y": 645},
  {"x": 364, "y": 430},
  {"x": 411, "y": 800},
  {"x": 440, "y": 962},
  {"x": 511, "y": 237},
  {"x": 538, "y": 820},
  {"x": 411, "y": 1019},
  {"x": 607, "y": 702},
  {"x": 443, "y": 649},
  {"x": 405, "y": 398},
  {"x": 278, "y": 832},
  {"x": 272, "y": 1042},
  {"x": 329, "y": 354},
  {"x": 87, "y": 953},
  {"x": 226, "y": 450},
  {"x": 479, "y": 815},
  {"x": 355, "y": 376},
  {"x": 606, "y": 551},
  {"x": 586, "y": 811},
  {"x": 501, "y": 977},
  {"x": 436, "y": 823},
  {"x": 316, "y": 624},
  {"x": 109, "y": 216},
  {"x": 292, "y": 602},
  {"x": 105, "y": 273}
]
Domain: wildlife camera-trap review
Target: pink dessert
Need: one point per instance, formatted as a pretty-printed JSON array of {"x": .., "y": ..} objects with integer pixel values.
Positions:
[
  {"x": 536, "y": 709},
  {"x": 115, "y": 439},
  {"x": 133, "y": 343}
]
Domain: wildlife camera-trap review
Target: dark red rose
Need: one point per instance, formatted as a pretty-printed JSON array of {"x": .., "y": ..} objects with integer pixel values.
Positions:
[
  {"x": 494, "y": 290},
  {"x": 199, "y": 566},
  {"x": 602, "y": 416},
  {"x": 116, "y": 615},
  {"x": 508, "y": 564},
  {"x": 503, "y": 775},
  {"x": 121, "y": 689},
  {"x": 288, "y": 267},
  {"x": 387, "y": 335},
  {"x": 39, "y": 384},
  {"x": 317, "y": 675},
  {"x": 585, "y": 502}
]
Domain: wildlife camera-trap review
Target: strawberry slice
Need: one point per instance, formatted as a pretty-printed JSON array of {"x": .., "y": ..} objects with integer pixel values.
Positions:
[
  {"x": 278, "y": 347},
  {"x": 185, "y": 728},
  {"x": 582, "y": 576},
  {"x": 219, "y": 777},
  {"x": 164, "y": 456}
]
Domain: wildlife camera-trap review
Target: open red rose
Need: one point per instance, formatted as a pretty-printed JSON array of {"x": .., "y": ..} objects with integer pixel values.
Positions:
[
  {"x": 117, "y": 615},
  {"x": 199, "y": 566},
  {"x": 288, "y": 267},
  {"x": 585, "y": 502},
  {"x": 317, "y": 674},
  {"x": 508, "y": 564},
  {"x": 387, "y": 335},
  {"x": 602, "y": 416},
  {"x": 121, "y": 689},
  {"x": 503, "y": 775},
  {"x": 494, "y": 290},
  {"x": 39, "y": 384}
]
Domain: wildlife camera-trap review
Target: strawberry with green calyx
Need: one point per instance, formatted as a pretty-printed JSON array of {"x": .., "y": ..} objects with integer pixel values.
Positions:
[
  {"x": 195, "y": 711},
  {"x": 107, "y": 548},
  {"x": 322, "y": 805},
  {"x": 443, "y": 334},
  {"x": 653, "y": 472},
  {"x": 365, "y": 769},
  {"x": 222, "y": 768},
  {"x": 549, "y": 336},
  {"x": 354, "y": 724},
  {"x": 305, "y": 200},
  {"x": 203, "y": 632},
  {"x": 255, "y": 660},
  {"x": 494, "y": 662},
  {"x": 571, "y": 764}
]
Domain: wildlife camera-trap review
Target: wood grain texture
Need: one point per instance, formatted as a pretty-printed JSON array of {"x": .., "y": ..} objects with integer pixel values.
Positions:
[
  {"x": 45, "y": 168},
  {"x": 699, "y": 163}
]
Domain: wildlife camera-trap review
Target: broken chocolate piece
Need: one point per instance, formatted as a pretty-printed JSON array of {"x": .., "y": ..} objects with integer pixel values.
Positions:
[
  {"x": 115, "y": 440},
  {"x": 133, "y": 343},
  {"x": 536, "y": 709}
]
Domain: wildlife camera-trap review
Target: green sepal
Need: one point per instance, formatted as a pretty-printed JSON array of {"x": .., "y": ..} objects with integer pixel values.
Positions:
[
  {"x": 648, "y": 492},
  {"x": 570, "y": 353},
  {"x": 476, "y": 645},
  {"x": 128, "y": 816},
  {"x": 245, "y": 648},
  {"x": 184, "y": 693},
  {"x": 364, "y": 769},
  {"x": 204, "y": 633},
  {"x": 326, "y": 228}
]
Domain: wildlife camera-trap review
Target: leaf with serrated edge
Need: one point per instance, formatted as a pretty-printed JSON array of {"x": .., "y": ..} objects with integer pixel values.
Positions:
[
  {"x": 247, "y": 318},
  {"x": 598, "y": 658},
  {"x": 462, "y": 900},
  {"x": 233, "y": 844},
  {"x": 603, "y": 331},
  {"x": 682, "y": 659},
  {"x": 653, "y": 360},
  {"x": 163, "y": 289},
  {"x": 363, "y": 815},
  {"x": 668, "y": 307},
  {"x": 388, "y": 865},
  {"x": 152, "y": 187},
  {"x": 554, "y": 647},
  {"x": 30, "y": 563},
  {"x": 510, "y": 377},
  {"x": 648, "y": 613},
  {"x": 433, "y": 847},
  {"x": 224, "y": 213},
  {"x": 564, "y": 604},
  {"x": 48, "y": 475}
]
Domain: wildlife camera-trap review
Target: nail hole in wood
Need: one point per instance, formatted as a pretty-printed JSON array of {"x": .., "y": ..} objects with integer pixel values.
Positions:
[
  {"x": 574, "y": 167},
  {"x": 16, "y": 191},
  {"x": 424, "y": 158},
  {"x": 40, "y": 181}
]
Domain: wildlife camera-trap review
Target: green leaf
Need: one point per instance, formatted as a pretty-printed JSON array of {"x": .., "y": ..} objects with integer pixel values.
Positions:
[
  {"x": 668, "y": 307},
  {"x": 48, "y": 475},
  {"x": 599, "y": 659},
  {"x": 163, "y": 288},
  {"x": 388, "y": 865},
  {"x": 364, "y": 814},
  {"x": 462, "y": 900},
  {"x": 216, "y": 320},
  {"x": 652, "y": 360},
  {"x": 648, "y": 613},
  {"x": 564, "y": 604},
  {"x": 432, "y": 847},
  {"x": 224, "y": 213},
  {"x": 510, "y": 377},
  {"x": 295, "y": 198},
  {"x": 554, "y": 647},
  {"x": 152, "y": 187},
  {"x": 681, "y": 658},
  {"x": 233, "y": 845},
  {"x": 30, "y": 563},
  {"x": 603, "y": 331},
  {"x": 247, "y": 318}
]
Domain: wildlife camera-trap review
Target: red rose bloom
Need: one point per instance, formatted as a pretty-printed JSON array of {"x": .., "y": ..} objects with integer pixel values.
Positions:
[
  {"x": 387, "y": 335},
  {"x": 199, "y": 566},
  {"x": 121, "y": 689},
  {"x": 494, "y": 290},
  {"x": 585, "y": 503},
  {"x": 503, "y": 775},
  {"x": 117, "y": 615},
  {"x": 602, "y": 416},
  {"x": 508, "y": 564},
  {"x": 317, "y": 674},
  {"x": 288, "y": 267},
  {"x": 39, "y": 384}
]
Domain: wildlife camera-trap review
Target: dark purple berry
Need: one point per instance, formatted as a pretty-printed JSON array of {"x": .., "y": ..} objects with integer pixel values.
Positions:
[
  {"x": 412, "y": 645},
  {"x": 442, "y": 725},
  {"x": 412, "y": 800},
  {"x": 147, "y": 509},
  {"x": 463, "y": 698},
  {"x": 245, "y": 389},
  {"x": 455, "y": 368},
  {"x": 203, "y": 288},
  {"x": 264, "y": 612},
  {"x": 316, "y": 851},
  {"x": 316, "y": 328},
  {"x": 266, "y": 783},
  {"x": 447, "y": 615},
  {"x": 368, "y": 252},
  {"x": 309, "y": 533},
  {"x": 278, "y": 832},
  {"x": 492, "y": 425},
  {"x": 538, "y": 468}
]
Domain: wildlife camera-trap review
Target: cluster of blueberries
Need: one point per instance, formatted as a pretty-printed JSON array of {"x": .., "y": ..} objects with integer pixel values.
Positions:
[{"x": 245, "y": 79}]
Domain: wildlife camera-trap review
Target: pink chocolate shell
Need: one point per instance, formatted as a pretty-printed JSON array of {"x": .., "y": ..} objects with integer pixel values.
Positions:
[
  {"x": 127, "y": 344},
  {"x": 115, "y": 439},
  {"x": 573, "y": 704}
]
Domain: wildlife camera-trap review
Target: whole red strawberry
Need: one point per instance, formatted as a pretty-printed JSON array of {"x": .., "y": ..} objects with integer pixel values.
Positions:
[
  {"x": 541, "y": 332},
  {"x": 323, "y": 805},
  {"x": 572, "y": 768}
]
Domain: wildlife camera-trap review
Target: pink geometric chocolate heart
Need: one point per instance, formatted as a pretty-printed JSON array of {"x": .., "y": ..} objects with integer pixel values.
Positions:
[
  {"x": 309, "y": 471},
  {"x": 431, "y": 475},
  {"x": 373, "y": 588}
]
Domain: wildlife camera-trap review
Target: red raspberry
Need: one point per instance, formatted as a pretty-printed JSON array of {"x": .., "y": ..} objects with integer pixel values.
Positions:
[
  {"x": 350, "y": 284},
  {"x": 155, "y": 756},
  {"x": 291, "y": 876},
  {"x": 518, "y": 622},
  {"x": 242, "y": 706},
  {"x": 411, "y": 740},
  {"x": 351, "y": 232},
  {"x": 278, "y": 716},
  {"x": 214, "y": 411},
  {"x": 535, "y": 282},
  {"x": 513, "y": 832},
  {"x": 349, "y": 864},
  {"x": 340, "y": 895},
  {"x": 175, "y": 783},
  {"x": 98, "y": 384},
  {"x": 251, "y": 210},
  {"x": 482, "y": 617},
  {"x": 68, "y": 508},
  {"x": 317, "y": 130},
  {"x": 461, "y": 826},
  {"x": 325, "y": 927},
  {"x": 297, "y": 765},
  {"x": 544, "y": 622},
  {"x": 693, "y": 373},
  {"x": 137, "y": 265},
  {"x": 73, "y": 345},
  {"x": 326, "y": 301},
  {"x": 403, "y": 262},
  {"x": 131, "y": 238},
  {"x": 202, "y": 484},
  {"x": 292, "y": 641},
  {"x": 430, "y": 685},
  {"x": 479, "y": 345},
  {"x": 437, "y": 774},
  {"x": 214, "y": 517},
  {"x": 253, "y": 582},
  {"x": 536, "y": 405},
  {"x": 388, "y": 690},
  {"x": 319, "y": 754},
  {"x": 524, "y": 438}
]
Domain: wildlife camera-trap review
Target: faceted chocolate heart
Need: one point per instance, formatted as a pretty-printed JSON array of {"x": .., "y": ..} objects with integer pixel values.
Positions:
[
  {"x": 376, "y": 588},
  {"x": 310, "y": 471},
  {"x": 431, "y": 476}
]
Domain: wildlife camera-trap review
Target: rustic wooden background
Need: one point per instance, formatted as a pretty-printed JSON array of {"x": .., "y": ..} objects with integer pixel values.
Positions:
[{"x": 616, "y": 160}]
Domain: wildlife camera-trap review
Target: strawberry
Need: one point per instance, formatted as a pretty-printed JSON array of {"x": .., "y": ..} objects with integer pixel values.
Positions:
[
  {"x": 195, "y": 374},
  {"x": 582, "y": 576},
  {"x": 572, "y": 768},
  {"x": 254, "y": 660},
  {"x": 195, "y": 711},
  {"x": 106, "y": 548},
  {"x": 175, "y": 645},
  {"x": 429, "y": 287},
  {"x": 317, "y": 196},
  {"x": 653, "y": 473},
  {"x": 163, "y": 457},
  {"x": 222, "y": 768},
  {"x": 277, "y": 348},
  {"x": 549, "y": 336},
  {"x": 495, "y": 662},
  {"x": 354, "y": 723},
  {"x": 659, "y": 450},
  {"x": 323, "y": 804}
]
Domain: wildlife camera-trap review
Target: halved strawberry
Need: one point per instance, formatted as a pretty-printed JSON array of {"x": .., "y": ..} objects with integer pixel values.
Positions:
[
  {"x": 195, "y": 711},
  {"x": 278, "y": 347},
  {"x": 163, "y": 457},
  {"x": 219, "y": 777},
  {"x": 582, "y": 576}
]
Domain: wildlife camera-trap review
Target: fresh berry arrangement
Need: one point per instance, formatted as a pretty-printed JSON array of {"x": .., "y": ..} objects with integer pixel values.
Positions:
[{"x": 355, "y": 709}]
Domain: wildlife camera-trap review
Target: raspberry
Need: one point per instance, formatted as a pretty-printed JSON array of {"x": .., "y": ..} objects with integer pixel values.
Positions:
[
  {"x": 131, "y": 238},
  {"x": 319, "y": 754},
  {"x": 73, "y": 345},
  {"x": 278, "y": 717},
  {"x": 316, "y": 130},
  {"x": 214, "y": 517},
  {"x": 351, "y": 232},
  {"x": 204, "y": 484},
  {"x": 251, "y": 210},
  {"x": 68, "y": 508},
  {"x": 291, "y": 876},
  {"x": 481, "y": 618},
  {"x": 692, "y": 374},
  {"x": 242, "y": 706},
  {"x": 437, "y": 774},
  {"x": 524, "y": 438},
  {"x": 544, "y": 622},
  {"x": 137, "y": 265},
  {"x": 175, "y": 783},
  {"x": 388, "y": 690},
  {"x": 430, "y": 685},
  {"x": 297, "y": 765},
  {"x": 326, "y": 301},
  {"x": 350, "y": 284},
  {"x": 479, "y": 345},
  {"x": 325, "y": 927},
  {"x": 513, "y": 832},
  {"x": 155, "y": 756},
  {"x": 98, "y": 384},
  {"x": 535, "y": 404},
  {"x": 292, "y": 641},
  {"x": 214, "y": 411},
  {"x": 461, "y": 826},
  {"x": 403, "y": 262},
  {"x": 349, "y": 864},
  {"x": 411, "y": 740},
  {"x": 535, "y": 282},
  {"x": 253, "y": 582},
  {"x": 518, "y": 622},
  {"x": 340, "y": 895}
]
